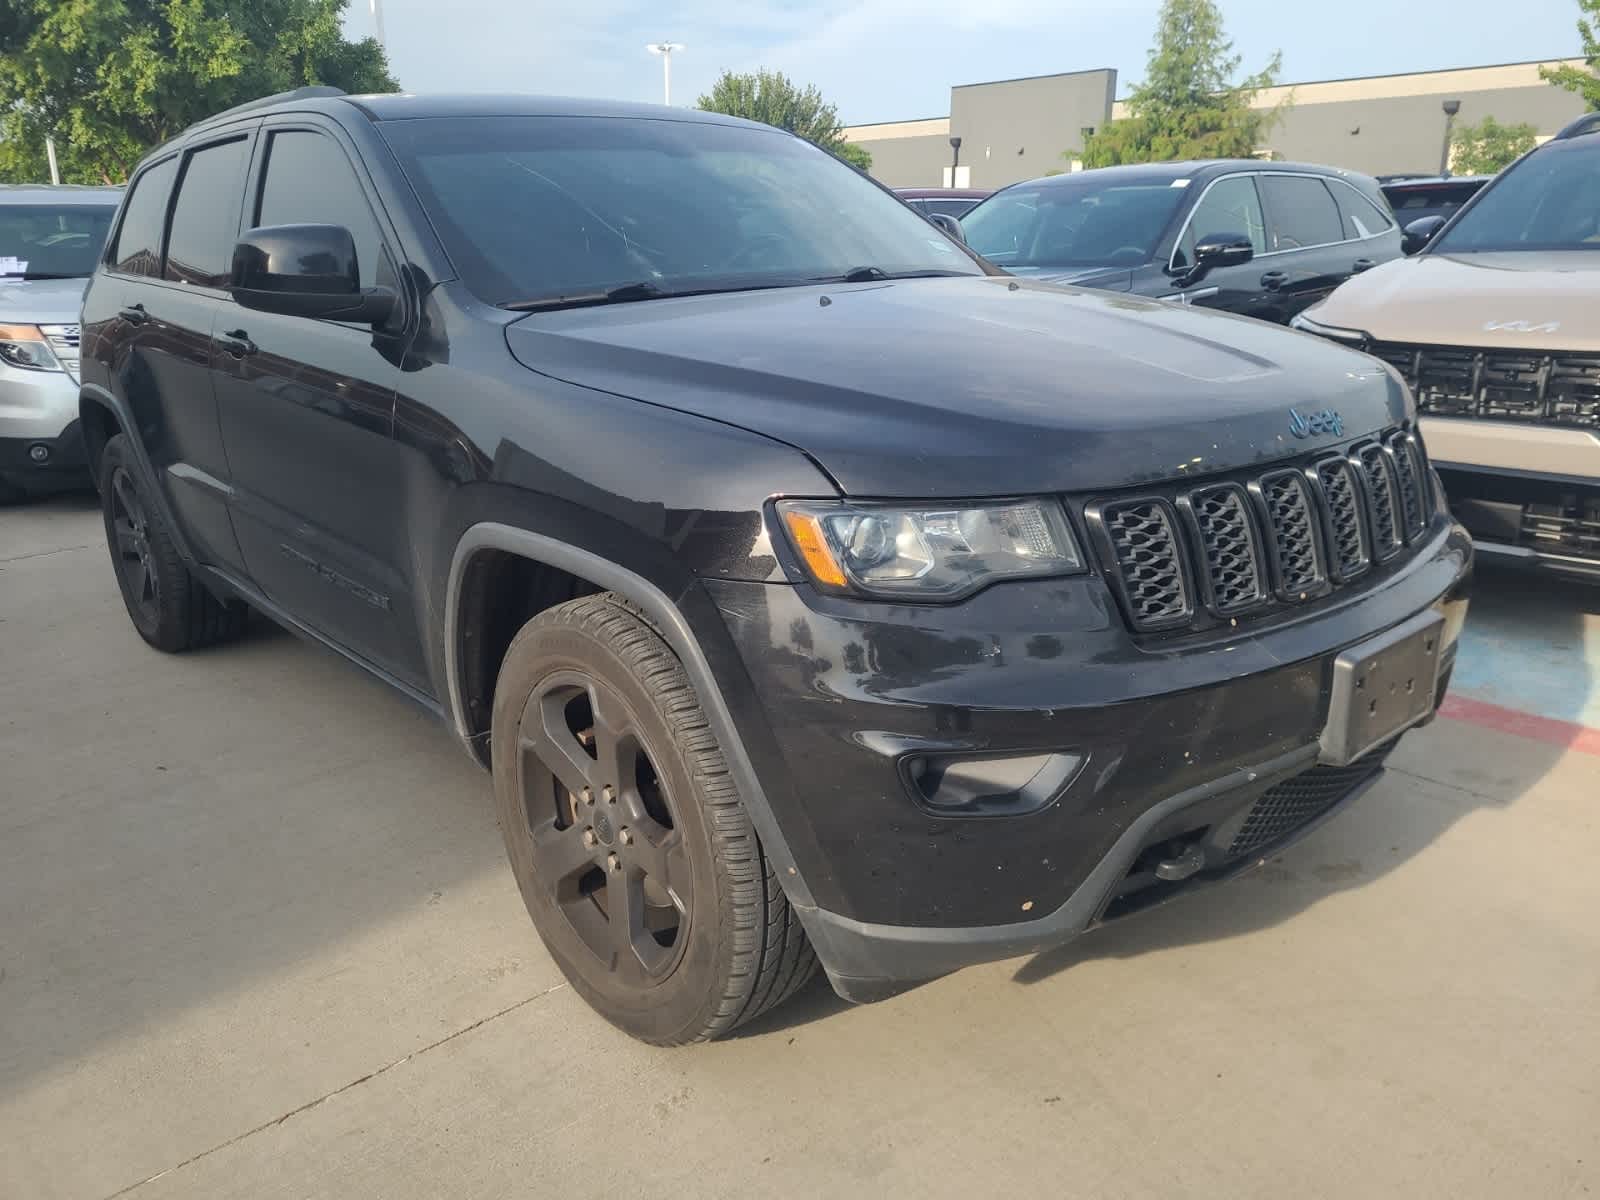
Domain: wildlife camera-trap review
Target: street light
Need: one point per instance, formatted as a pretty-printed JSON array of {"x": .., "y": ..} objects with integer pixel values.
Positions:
[
  {"x": 376, "y": 8},
  {"x": 665, "y": 50},
  {"x": 1451, "y": 108}
]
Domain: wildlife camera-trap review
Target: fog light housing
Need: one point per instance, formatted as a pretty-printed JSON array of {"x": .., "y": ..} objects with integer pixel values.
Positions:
[
  {"x": 39, "y": 453},
  {"x": 994, "y": 785}
]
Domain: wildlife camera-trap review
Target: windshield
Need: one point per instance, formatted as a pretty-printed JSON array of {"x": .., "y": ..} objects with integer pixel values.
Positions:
[
  {"x": 52, "y": 241},
  {"x": 1550, "y": 201},
  {"x": 1082, "y": 223},
  {"x": 552, "y": 207}
]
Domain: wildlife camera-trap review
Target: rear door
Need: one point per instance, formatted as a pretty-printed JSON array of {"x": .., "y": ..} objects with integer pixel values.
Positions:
[
  {"x": 164, "y": 289},
  {"x": 1230, "y": 204},
  {"x": 306, "y": 408},
  {"x": 1307, "y": 258},
  {"x": 1371, "y": 236}
]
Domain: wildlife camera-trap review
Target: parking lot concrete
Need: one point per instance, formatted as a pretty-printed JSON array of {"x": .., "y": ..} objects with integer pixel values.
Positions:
[{"x": 257, "y": 939}]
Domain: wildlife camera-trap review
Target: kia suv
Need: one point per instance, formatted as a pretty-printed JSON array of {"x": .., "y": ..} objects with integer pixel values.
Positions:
[
  {"x": 1492, "y": 325},
  {"x": 813, "y": 591},
  {"x": 50, "y": 239}
]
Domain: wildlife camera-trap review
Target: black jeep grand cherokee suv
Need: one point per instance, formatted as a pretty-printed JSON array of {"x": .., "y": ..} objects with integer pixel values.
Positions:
[{"x": 814, "y": 590}]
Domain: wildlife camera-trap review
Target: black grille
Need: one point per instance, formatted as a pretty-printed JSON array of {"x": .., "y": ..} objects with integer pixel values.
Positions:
[
  {"x": 1232, "y": 557},
  {"x": 1285, "y": 807},
  {"x": 1412, "y": 483},
  {"x": 1144, "y": 538},
  {"x": 1347, "y": 531},
  {"x": 1294, "y": 532},
  {"x": 1379, "y": 477},
  {"x": 1502, "y": 385},
  {"x": 1253, "y": 543}
]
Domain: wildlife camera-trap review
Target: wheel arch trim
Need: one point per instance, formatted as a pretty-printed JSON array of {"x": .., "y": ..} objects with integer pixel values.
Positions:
[
  {"x": 669, "y": 622},
  {"x": 90, "y": 396}
]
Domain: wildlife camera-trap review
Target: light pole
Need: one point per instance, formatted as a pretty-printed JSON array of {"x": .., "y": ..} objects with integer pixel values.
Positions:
[
  {"x": 376, "y": 7},
  {"x": 50, "y": 153},
  {"x": 955, "y": 159},
  {"x": 1451, "y": 108},
  {"x": 665, "y": 50}
]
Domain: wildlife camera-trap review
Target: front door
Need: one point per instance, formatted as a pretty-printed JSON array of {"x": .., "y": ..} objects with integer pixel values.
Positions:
[
  {"x": 306, "y": 408},
  {"x": 1229, "y": 205}
]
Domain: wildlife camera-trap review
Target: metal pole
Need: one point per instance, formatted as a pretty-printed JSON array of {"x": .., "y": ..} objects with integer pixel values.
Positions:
[
  {"x": 377, "y": 20},
  {"x": 1451, "y": 108},
  {"x": 50, "y": 153},
  {"x": 665, "y": 49}
]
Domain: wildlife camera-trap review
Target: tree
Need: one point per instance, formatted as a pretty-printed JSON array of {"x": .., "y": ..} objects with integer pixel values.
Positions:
[
  {"x": 1576, "y": 79},
  {"x": 1188, "y": 105},
  {"x": 772, "y": 98},
  {"x": 109, "y": 79},
  {"x": 1489, "y": 147}
]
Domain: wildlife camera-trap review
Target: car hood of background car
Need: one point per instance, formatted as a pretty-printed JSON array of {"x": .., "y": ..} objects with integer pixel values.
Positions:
[
  {"x": 1111, "y": 279},
  {"x": 1522, "y": 299},
  {"x": 41, "y": 301},
  {"x": 982, "y": 386}
]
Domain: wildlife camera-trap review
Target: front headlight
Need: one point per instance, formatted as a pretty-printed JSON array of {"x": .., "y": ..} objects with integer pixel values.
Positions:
[
  {"x": 1333, "y": 332},
  {"x": 928, "y": 553},
  {"x": 24, "y": 346}
]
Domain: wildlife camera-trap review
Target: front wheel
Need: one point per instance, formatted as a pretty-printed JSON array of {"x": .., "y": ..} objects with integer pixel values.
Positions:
[{"x": 627, "y": 837}]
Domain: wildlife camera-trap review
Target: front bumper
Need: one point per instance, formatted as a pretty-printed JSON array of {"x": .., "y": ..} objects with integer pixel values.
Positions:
[
  {"x": 45, "y": 463},
  {"x": 40, "y": 443},
  {"x": 845, "y": 694}
]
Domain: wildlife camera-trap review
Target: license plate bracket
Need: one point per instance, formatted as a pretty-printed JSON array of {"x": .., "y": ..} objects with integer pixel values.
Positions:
[{"x": 1382, "y": 687}]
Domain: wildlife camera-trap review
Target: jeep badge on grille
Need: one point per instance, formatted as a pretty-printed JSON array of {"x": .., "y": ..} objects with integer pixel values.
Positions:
[{"x": 1309, "y": 424}]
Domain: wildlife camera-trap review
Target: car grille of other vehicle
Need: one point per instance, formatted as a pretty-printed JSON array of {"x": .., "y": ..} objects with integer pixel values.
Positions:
[
  {"x": 1500, "y": 385},
  {"x": 1187, "y": 558},
  {"x": 63, "y": 340},
  {"x": 1286, "y": 807}
]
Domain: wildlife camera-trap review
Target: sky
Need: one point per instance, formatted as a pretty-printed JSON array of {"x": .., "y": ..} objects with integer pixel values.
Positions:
[{"x": 891, "y": 60}]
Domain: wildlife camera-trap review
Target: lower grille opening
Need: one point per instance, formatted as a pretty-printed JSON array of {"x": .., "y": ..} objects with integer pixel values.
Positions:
[{"x": 1287, "y": 806}]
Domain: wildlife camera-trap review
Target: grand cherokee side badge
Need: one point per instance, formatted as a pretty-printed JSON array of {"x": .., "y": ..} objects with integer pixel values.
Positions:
[
  {"x": 1520, "y": 327},
  {"x": 1309, "y": 424}
]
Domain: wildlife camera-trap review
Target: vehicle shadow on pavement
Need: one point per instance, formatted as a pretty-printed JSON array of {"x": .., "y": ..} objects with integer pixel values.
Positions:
[{"x": 1437, "y": 776}]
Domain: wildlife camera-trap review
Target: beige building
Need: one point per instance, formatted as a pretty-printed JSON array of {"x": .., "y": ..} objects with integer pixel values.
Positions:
[{"x": 1017, "y": 129}]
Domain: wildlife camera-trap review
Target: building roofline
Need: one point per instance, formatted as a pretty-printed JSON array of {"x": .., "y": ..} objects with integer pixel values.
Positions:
[
  {"x": 1027, "y": 78},
  {"x": 1525, "y": 62},
  {"x": 901, "y": 121}
]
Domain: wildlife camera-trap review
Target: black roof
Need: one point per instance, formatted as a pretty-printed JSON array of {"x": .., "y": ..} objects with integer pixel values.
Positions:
[{"x": 404, "y": 106}]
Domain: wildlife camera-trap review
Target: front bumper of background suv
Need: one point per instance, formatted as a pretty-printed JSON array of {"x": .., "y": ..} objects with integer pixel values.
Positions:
[
  {"x": 970, "y": 782},
  {"x": 41, "y": 447}
]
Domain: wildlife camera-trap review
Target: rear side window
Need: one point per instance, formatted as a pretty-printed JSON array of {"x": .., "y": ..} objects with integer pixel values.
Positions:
[
  {"x": 1362, "y": 218},
  {"x": 138, "y": 248},
  {"x": 205, "y": 219},
  {"x": 309, "y": 181},
  {"x": 1303, "y": 213}
]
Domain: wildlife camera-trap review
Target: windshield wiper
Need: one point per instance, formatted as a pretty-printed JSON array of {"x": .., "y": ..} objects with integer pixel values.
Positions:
[
  {"x": 625, "y": 293},
  {"x": 870, "y": 274}
]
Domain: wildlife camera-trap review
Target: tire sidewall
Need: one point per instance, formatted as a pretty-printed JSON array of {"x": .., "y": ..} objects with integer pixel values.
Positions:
[
  {"x": 161, "y": 627},
  {"x": 688, "y": 998}
]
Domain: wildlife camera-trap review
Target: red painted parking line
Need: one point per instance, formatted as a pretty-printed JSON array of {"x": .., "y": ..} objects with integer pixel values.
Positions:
[{"x": 1568, "y": 734}]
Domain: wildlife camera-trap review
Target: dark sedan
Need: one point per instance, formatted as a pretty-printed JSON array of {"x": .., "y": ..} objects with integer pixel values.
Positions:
[
  {"x": 1413, "y": 199},
  {"x": 1259, "y": 238},
  {"x": 948, "y": 202}
]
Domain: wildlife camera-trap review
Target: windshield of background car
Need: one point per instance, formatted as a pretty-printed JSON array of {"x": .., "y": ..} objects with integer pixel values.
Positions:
[
  {"x": 544, "y": 207},
  {"x": 1550, "y": 201},
  {"x": 52, "y": 241},
  {"x": 1085, "y": 223}
]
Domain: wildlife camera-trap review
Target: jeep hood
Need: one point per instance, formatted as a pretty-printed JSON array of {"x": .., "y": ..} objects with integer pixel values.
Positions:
[
  {"x": 41, "y": 301},
  {"x": 971, "y": 386},
  {"x": 1526, "y": 300}
]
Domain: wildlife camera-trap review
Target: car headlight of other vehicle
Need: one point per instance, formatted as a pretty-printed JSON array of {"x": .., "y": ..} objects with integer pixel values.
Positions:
[
  {"x": 929, "y": 553},
  {"x": 1333, "y": 332},
  {"x": 24, "y": 346}
]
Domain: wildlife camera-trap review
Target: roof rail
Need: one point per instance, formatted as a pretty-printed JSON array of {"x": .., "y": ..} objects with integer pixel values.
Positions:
[
  {"x": 305, "y": 93},
  {"x": 1588, "y": 123}
]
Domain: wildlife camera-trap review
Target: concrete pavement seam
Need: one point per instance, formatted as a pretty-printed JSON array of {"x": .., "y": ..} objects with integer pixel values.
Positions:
[
  {"x": 1445, "y": 783},
  {"x": 48, "y": 553},
  {"x": 310, "y": 1104}
]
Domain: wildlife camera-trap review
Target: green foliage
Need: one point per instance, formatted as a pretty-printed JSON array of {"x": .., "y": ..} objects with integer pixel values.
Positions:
[
  {"x": 1576, "y": 79},
  {"x": 1188, "y": 105},
  {"x": 110, "y": 79},
  {"x": 772, "y": 98},
  {"x": 1488, "y": 146}
]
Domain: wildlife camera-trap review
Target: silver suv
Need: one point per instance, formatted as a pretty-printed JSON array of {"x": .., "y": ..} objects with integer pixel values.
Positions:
[
  {"x": 50, "y": 240},
  {"x": 1493, "y": 326}
]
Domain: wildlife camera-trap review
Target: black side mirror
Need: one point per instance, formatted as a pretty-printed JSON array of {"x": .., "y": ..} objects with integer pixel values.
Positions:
[
  {"x": 1217, "y": 250},
  {"x": 951, "y": 227},
  {"x": 305, "y": 271},
  {"x": 1419, "y": 233}
]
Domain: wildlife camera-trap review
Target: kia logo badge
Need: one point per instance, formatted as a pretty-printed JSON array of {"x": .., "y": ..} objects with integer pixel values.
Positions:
[{"x": 1318, "y": 421}]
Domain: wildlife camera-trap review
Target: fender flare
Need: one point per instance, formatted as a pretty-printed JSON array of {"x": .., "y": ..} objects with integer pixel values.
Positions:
[
  {"x": 674, "y": 630},
  {"x": 88, "y": 395}
]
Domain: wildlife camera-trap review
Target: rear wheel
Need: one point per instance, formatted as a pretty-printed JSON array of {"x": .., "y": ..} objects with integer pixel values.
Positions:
[
  {"x": 626, "y": 834},
  {"x": 168, "y": 605}
]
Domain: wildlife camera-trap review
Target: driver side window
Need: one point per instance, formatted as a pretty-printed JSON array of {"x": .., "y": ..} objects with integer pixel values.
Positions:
[{"x": 1232, "y": 205}]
